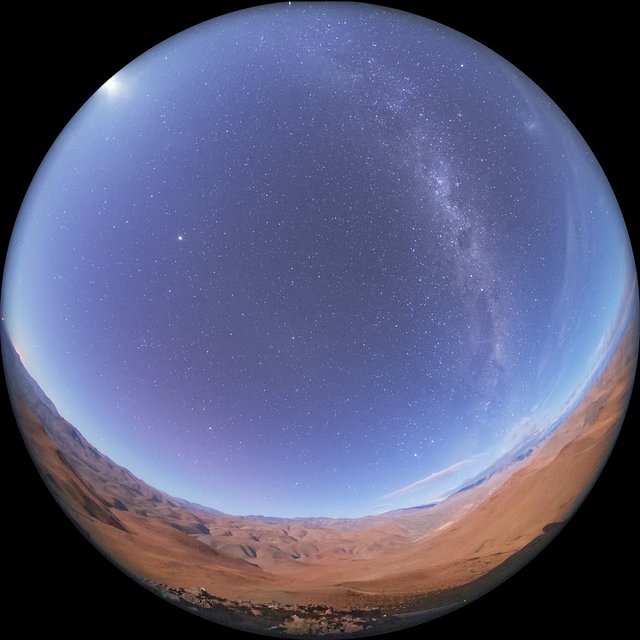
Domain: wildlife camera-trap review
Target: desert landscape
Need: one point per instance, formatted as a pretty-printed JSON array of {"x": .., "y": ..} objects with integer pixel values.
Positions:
[{"x": 321, "y": 575}]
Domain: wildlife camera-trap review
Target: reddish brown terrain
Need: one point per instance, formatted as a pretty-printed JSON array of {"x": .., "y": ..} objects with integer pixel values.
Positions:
[{"x": 326, "y": 575}]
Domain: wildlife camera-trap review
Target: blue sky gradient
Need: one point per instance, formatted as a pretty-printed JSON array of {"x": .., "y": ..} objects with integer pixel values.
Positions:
[{"x": 317, "y": 260}]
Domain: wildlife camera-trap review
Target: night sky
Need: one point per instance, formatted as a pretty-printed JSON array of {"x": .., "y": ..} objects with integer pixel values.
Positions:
[{"x": 316, "y": 260}]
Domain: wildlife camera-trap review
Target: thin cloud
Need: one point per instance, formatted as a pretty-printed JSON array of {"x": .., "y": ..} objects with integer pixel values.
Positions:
[{"x": 430, "y": 479}]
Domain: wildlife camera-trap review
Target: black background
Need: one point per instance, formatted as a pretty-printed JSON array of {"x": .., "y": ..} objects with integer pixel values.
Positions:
[{"x": 53, "y": 577}]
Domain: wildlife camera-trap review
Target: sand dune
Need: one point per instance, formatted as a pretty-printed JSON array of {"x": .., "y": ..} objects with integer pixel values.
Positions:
[{"x": 397, "y": 560}]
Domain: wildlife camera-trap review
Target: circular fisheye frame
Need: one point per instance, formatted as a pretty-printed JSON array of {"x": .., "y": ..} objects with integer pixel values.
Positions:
[{"x": 319, "y": 319}]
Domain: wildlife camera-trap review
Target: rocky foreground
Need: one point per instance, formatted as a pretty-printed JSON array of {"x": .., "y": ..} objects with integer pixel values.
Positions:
[{"x": 277, "y": 618}]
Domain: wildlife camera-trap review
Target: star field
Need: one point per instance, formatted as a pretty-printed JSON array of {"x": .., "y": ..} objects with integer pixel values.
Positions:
[{"x": 316, "y": 260}]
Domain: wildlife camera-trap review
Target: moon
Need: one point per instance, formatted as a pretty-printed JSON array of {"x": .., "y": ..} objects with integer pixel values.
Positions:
[{"x": 112, "y": 87}]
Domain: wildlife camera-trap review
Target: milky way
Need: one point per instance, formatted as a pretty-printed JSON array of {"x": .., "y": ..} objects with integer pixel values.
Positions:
[{"x": 315, "y": 260}]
